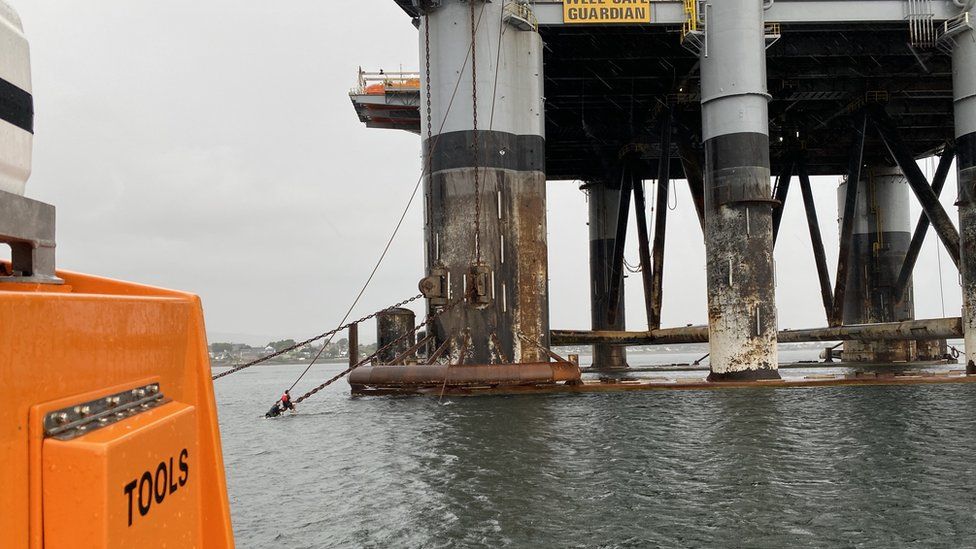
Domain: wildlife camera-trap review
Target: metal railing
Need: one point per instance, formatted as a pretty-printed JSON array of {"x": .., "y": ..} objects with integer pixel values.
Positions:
[
  {"x": 400, "y": 81},
  {"x": 520, "y": 15}
]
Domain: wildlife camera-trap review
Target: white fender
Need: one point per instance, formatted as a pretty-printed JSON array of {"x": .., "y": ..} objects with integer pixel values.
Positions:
[{"x": 16, "y": 103}]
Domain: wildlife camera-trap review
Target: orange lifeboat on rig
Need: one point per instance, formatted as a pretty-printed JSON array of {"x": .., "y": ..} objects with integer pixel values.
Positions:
[{"x": 388, "y": 100}]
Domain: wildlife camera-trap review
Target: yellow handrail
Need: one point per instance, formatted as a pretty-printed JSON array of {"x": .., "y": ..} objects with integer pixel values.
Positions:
[{"x": 691, "y": 18}]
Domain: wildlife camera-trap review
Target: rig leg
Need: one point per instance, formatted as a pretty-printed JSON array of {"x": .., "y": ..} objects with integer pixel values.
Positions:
[
  {"x": 604, "y": 209},
  {"x": 964, "y": 93},
  {"x": 504, "y": 152},
  {"x": 738, "y": 209},
  {"x": 879, "y": 245}
]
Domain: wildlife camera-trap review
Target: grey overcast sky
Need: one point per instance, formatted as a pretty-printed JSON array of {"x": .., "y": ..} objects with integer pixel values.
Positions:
[{"x": 210, "y": 146}]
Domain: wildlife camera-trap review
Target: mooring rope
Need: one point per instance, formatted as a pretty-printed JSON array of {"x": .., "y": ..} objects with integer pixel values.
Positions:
[{"x": 312, "y": 340}]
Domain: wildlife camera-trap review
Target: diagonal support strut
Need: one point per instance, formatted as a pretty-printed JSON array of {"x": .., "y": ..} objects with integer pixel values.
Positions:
[
  {"x": 921, "y": 229},
  {"x": 916, "y": 180},
  {"x": 661, "y": 222},
  {"x": 782, "y": 190},
  {"x": 847, "y": 227},
  {"x": 816, "y": 238},
  {"x": 620, "y": 238}
]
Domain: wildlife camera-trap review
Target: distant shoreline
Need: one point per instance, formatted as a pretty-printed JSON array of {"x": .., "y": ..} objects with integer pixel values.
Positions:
[{"x": 280, "y": 363}]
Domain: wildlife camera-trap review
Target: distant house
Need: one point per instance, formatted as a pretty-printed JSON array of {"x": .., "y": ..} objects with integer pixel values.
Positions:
[{"x": 251, "y": 354}]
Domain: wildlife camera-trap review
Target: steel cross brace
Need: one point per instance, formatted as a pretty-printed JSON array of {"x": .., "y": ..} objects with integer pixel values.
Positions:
[
  {"x": 921, "y": 229},
  {"x": 920, "y": 186}
]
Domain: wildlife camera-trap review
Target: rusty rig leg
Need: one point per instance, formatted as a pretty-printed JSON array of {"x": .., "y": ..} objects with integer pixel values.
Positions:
[
  {"x": 881, "y": 236},
  {"x": 738, "y": 210},
  {"x": 604, "y": 206},
  {"x": 505, "y": 153},
  {"x": 964, "y": 93}
]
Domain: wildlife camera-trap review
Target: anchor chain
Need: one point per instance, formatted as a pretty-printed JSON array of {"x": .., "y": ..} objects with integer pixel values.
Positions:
[
  {"x": 430, "y": 115},
  {"x": 368, "y": 359},
  {"x": 313, "y": 339},
  {"x": 475, "y": 144}
]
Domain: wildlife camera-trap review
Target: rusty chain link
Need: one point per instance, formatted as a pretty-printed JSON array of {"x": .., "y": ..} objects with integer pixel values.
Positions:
[
  {"x": 366, "y": 360},
  {"x": 313, "y": 339},
  {"x": 474, "y": 101},
  {"x": 430, "y": 115}
]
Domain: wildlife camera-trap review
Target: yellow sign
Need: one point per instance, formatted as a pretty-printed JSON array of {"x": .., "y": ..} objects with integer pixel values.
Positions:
[{"x": 599, "y": 12}]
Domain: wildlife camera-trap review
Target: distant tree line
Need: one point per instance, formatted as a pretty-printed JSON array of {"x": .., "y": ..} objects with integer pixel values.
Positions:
[{"x": 225, "y": 352}]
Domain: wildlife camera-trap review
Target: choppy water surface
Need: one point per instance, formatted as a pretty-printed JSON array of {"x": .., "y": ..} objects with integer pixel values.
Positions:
[{"x": 845, "y": 467}]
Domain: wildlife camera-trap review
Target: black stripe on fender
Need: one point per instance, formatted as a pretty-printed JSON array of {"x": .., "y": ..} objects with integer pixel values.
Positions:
[
  {"x": 507, "y": 151},
  {"x": 16, "y": 106},
  {"x": 738, "y": 165},
  {"x": 736, "y": 150},
  {"x": 966, "y": 151}
]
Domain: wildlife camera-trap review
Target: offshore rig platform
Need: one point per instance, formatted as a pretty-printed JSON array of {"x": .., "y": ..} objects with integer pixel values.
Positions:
[{"x": 737, "y": 97}]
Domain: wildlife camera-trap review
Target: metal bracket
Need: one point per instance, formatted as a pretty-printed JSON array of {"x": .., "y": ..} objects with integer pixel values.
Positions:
[
  {"x": 479, "y": 285},
  {"x": 921, "y": 23},
  {"x": 946, "y": 39},
  {"x": 75, "y": 421},
  {"x": 773, "y": 32},
  {"x": 28, "y": 227},
  {"x": 518, "y": 14},
  {"x": 434, "y": 287}
]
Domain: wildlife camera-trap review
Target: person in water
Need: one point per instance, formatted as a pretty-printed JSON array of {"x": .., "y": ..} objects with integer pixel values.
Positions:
[
  {"x": 275, "y": 411},
  {"x": 286, "y": 403}
]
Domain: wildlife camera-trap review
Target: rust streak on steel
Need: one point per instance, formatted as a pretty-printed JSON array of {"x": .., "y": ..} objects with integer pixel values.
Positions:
[
  {"x": 908, "y": 267},
  {"x": 666, "y": 384},
  {"x": 447, "y": 375},
  {"x": 936, "y": 328},
  {"x": 353, "y": 344},
  {"x": 439, "y": 351},
  {"x": 402, "y": 357}
]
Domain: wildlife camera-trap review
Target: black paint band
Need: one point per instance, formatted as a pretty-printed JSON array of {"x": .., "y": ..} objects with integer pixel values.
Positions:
[
  {"x": 501, "y": 150},
  {"x": 737, "y": 149},
  {"x": 16, "y": 106},
  {"x": 966, "y": 151},
  {"x": 738, "y": 166}
]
